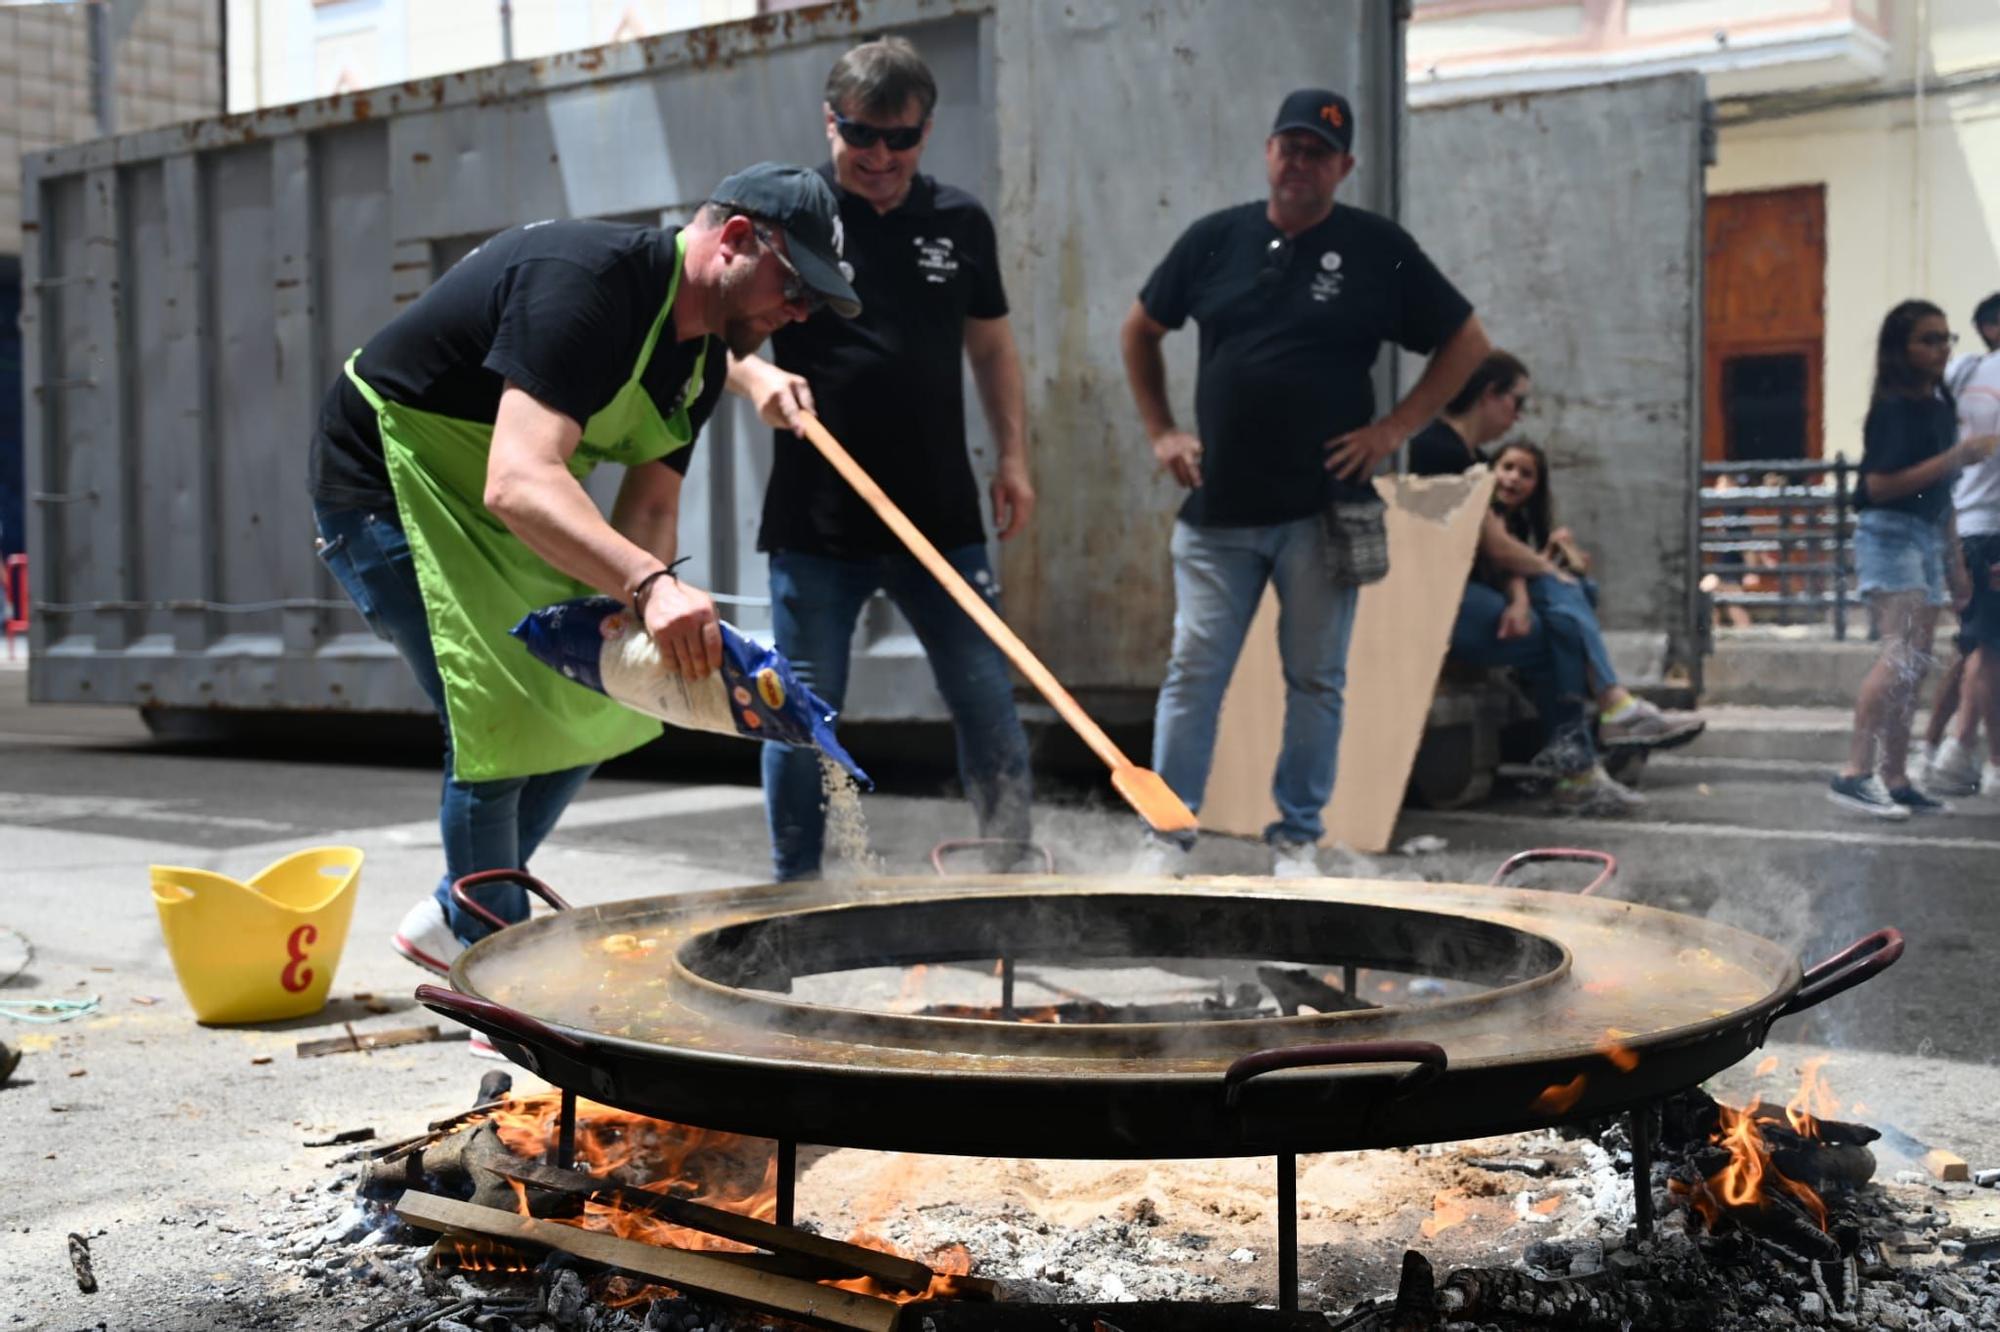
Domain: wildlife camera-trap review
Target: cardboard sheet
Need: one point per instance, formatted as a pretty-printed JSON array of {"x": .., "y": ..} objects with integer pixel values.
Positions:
[{"x": 1401, "y": 631}]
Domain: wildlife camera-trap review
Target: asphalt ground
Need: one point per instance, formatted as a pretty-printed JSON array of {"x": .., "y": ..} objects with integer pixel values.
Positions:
[{"x": 133, "y": 1114}]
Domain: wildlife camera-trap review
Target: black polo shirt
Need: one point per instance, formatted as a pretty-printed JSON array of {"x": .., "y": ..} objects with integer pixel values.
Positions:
[
  {"x": 560, "y": 308},
  {"x": 1438, "y": 450},
  {"x": 889, "y": 384},
  {"x": 1288, "y": 339}
]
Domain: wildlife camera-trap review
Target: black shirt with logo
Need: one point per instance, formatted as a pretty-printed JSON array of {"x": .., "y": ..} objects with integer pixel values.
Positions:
[
  {"x": 889, "y": 384},
  {"x": 1438, "y": 450},
  {"x": 562, "y": 309},
  {"x": 1900, "y": 433},
  {"x": 1289, "y": 336}
]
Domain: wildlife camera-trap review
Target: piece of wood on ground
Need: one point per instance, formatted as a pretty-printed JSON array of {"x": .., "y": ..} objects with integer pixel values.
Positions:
[
  {"x": 1947, "y": 1166},
  {"x": 815, "y": 1305},
  {"x": 1402, "y": 628},
  {"x": 835, "y": 1257},
  {"x": 355, "y": 1041}
]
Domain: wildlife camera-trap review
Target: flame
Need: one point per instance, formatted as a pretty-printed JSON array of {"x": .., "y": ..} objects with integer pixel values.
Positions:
[
  {"x": 1813, "y": 1101},
  {"x": 1448, "y": 1208},
  {"x": 488, "y": 1256},
  {"x": 913, "y": 984},
  {"x": 1767, "y": 1065},
  {"x": 1622, "y": 1056},
  {"x": 723, "y": 1170},
  {"x": 1749, "y": 1178},
  {"x": 1557, "y": 1098}
]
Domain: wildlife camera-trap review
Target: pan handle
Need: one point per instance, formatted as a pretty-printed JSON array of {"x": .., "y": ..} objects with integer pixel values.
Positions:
[
  {"x": 1428, "y": 1058},
  {"x": 1845, "y": 970},
  {"x": 461, "y": 893},
  {"x": 497, "y": 1019},
  {"x": 1607, "y": 861}
]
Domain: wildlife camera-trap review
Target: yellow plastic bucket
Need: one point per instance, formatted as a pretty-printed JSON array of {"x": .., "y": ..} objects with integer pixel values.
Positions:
[{"x": 263, "y": 950}]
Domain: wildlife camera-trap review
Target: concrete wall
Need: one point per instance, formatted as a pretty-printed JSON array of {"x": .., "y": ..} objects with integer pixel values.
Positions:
[
  {"x": 1912, "y": 196},
  {"x": 169, "y": 68},
  {"x": 283, "y": 51},
  {"x": 1573, "y": 222},
  {"x": 1121, "y": 122}
]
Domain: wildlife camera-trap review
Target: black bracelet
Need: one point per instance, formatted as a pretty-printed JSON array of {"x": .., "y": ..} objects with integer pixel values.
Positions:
[{"x": 640, "y": 588}]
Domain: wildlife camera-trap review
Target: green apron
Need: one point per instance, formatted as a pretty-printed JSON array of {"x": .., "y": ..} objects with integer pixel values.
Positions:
[{"x": 511, "y": 716}]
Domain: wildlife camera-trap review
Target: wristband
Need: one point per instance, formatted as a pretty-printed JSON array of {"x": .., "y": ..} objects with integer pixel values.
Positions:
[{"x": 644, "y": 585}]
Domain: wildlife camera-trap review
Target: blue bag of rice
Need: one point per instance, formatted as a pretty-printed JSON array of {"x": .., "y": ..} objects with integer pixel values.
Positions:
[{"x": 599, "y": 643}]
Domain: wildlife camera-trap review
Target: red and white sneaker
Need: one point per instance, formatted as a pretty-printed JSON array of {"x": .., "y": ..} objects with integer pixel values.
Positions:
[{"x": 425, "y": 938}]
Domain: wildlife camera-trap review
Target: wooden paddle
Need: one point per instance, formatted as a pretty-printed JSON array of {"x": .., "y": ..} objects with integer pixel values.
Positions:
[{"x": 1143, "y": 789}]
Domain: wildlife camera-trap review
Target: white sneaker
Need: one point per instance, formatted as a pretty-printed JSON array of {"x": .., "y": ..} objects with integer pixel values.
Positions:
[
  {"x": 1922, "y": 757},
  {"x": 425, "y": 938},
  {"x": 1161, "y": 858},
  {"x": 1294, "y": 860},
  {"x": 1989, "y": 782},
  {"x": 1595, "y": 794},
  {"x": 1954, "y": 771}
]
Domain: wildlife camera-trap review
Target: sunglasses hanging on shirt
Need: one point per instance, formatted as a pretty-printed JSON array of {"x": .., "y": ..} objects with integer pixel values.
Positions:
[
  {"x": 1277, "y": 258},
  {"x": 898, "y": 138}
]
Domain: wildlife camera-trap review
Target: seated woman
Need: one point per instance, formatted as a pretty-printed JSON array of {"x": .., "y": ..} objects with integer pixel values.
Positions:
[{"x": 1522, "y": 609}]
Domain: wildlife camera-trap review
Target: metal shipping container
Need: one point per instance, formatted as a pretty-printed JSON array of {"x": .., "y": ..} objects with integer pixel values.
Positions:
[{"x": 190, "y": 292}]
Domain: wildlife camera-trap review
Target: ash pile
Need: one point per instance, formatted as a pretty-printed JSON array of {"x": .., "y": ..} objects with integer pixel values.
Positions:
[{"x": 1762, "y": 1218}]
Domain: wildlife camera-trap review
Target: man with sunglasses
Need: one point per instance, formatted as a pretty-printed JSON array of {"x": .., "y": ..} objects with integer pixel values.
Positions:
[
  {"x": 446, "y": 486},
  {"x": 1294, "y": 296},
  {"x": 889, "y": 385}
]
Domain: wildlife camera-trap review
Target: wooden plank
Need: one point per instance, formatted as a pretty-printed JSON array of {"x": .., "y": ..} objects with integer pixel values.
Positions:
[
  {"x": 839, "y": 1258},
  {"x": 1947, "y": 1166},
  {"x": 817, "y": 1306},
  {"x": 1402, "y": 628},
  {"x": 354, "y": 1041}
]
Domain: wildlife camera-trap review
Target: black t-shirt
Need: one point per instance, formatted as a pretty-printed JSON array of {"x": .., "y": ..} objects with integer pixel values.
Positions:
[
  {"x": 889, "y": 384},
  {"x": 1288, "y": 338},
  {"x": 560, "y": 308},
  {"x": 1900, "y": 433},
  {"x": 1438, "y": 450}
]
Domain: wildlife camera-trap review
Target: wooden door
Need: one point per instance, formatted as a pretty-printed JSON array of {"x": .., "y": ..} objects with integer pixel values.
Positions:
[{"x": 1764, "y": 324}]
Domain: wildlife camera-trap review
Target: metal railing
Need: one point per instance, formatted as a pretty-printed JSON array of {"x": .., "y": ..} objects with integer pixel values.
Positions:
[{"x": 1777, "y": 540}]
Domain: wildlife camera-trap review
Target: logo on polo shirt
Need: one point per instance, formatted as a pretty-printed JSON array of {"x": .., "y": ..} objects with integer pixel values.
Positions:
[
  {"x": 1326, "y": 285},
  {"x": 937, "y": 259}
]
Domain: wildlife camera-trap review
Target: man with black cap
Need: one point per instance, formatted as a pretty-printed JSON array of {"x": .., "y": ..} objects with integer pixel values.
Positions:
[
  {"x": 1294, "y": 296},
  {"x": 890, "y": 386},
  {"x": 446, "y": 482}
]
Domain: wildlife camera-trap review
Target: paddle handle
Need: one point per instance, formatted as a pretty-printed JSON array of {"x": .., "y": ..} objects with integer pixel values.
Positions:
[{"x": 963, "y": 593}]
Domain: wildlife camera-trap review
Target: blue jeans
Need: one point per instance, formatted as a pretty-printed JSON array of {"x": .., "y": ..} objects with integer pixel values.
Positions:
[
  {"x": 1900, "y": 552},
  {"x": 1219, "y": 578},
  {"x": 815, "y": 602},
  {"x": 484, "y": 825},
  {"x": 1574, "y": 607},
  {"x": 1552, "y": 659}
]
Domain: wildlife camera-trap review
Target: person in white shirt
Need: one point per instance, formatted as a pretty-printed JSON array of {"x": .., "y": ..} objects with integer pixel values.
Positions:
[{"x": 1974, "y": 382}]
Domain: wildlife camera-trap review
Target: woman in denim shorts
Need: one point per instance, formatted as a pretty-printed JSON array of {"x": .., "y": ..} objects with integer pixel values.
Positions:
[{"x": 1903, "y": 551}]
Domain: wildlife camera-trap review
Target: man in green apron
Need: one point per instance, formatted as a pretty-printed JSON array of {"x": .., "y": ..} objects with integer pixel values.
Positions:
[{"x": 447, "y": 485}]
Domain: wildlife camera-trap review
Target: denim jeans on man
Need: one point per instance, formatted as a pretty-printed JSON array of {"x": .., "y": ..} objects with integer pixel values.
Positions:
[
  {"x": 484, "y": 825},
  {"x": 1219, "y": 578},
  {"x": 815, "y": 602},
  {"x": 1552, "y": 659}
]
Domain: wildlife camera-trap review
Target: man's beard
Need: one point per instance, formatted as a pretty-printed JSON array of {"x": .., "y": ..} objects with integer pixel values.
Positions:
[{"x": 741, "y": 335}]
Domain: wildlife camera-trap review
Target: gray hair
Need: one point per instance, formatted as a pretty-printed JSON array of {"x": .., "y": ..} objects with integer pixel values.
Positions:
[{"x": 879, "y": 78}]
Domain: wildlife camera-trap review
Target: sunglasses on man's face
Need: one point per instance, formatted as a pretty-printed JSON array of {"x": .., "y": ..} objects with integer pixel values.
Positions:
[
  {"x": 795, "y": 290},
  {"x": 898, "y": 138}
]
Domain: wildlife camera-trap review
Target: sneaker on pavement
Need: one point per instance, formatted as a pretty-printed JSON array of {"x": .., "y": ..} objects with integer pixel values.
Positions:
[
  {"x": 1161, "y": 858},
  {"x": 425, "y": 938},
  {"x": 1594, "y": 794},
  {"x": 1866, "y": 795},
  {"x": 1954, "y": 770},
  {"x": 1644, "y": 726},
  {"x": 1989, "y": 781},
  {"x": 1294, "y": 860},
  {"x": 1916, "y": 801}
]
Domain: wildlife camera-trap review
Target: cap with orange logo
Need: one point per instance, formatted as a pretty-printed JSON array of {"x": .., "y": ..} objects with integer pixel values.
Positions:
[{"x": 1318, "y": 111}]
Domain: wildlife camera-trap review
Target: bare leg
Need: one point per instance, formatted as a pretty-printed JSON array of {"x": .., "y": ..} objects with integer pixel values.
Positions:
[
  {"x": 1916, "y": 664},
  {"x": 1887, "y": 695},
  {"x": 1949, "y": 696}
]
